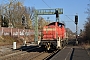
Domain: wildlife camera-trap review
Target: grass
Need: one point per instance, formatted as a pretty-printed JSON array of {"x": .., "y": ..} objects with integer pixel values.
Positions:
[
  {"x": 8, "y": 40},
  {"x": 87, "y": 47}
]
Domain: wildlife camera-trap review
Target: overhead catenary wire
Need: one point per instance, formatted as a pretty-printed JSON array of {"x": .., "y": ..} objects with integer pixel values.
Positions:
[
  {"x": 70, "y": 18},
  {"x": 54, "y": 3},
  {"x": 46, "y": 3}
]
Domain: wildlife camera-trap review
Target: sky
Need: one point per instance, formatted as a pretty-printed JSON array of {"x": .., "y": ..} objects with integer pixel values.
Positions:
[{"x": 70, "y": 9}]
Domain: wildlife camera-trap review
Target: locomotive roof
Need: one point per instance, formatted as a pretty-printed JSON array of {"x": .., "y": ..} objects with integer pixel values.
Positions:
[{"x": 53, "y": 23}]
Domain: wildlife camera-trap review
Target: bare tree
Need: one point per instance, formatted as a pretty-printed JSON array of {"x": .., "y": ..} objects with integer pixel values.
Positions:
[
  {"x": 14, "y": 11},
  {"x": 29, "y": 13},
  {"x": 42, "y": 22},
  {"x": 87, "y": 25}
]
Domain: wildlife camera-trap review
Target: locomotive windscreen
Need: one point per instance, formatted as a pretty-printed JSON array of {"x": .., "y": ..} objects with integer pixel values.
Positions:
[{"x": 53, "y": 23}]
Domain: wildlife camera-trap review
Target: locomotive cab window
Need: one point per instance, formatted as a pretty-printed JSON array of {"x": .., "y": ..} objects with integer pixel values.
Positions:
[{"x": 60, "y": 25}]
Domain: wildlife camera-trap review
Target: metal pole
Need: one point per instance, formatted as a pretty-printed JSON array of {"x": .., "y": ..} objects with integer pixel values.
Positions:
[
  {"x": 57, "y": 19},
  {"x": 36, "y": 27},
  {"x": 76, "y": 35}
]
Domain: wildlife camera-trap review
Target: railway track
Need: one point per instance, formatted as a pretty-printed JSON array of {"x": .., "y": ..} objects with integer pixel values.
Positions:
[
  {"x": 23, "y": 55},
  {"x": 13, "y": 51},
  {"x": 5, "y": 50},
  {"x": 51, "y": 55},
  {"x": 45, "y": 56},
  {"x": 28, "y": 53},
  {"x": 16, "y": 52}
]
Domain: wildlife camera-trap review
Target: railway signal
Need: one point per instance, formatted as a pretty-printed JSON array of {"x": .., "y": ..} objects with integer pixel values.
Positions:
[
  {"x": 76, "y": 19},
  {"x": 57, "y": 15},
  {"x": 56, "y": 12},
  {"x": 23, "y": 20}
]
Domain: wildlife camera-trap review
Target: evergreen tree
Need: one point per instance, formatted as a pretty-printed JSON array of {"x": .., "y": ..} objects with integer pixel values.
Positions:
[{"x": 4, "y": 21}]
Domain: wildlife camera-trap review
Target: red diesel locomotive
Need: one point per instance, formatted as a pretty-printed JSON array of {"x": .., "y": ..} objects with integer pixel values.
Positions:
[{"x": 53, "y": 36}]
